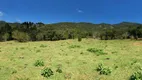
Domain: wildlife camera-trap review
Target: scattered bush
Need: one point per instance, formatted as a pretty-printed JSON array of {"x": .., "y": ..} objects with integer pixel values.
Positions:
[
  {"x": 81, "y": 53},
  {"x": 116, "y": 67},
  {"x": 39, "y": 63},
  {"x": 5, "y": 37},
  {"x": 43, "y": 46},
  {"x": 47, "y": 72},
  {"x": 38, "y": 51},
  {"x": 13, "y": 72},
  {"x": 103, "y": 70},
  {"x": 20, "y": 36},
  {"x": 22, "y": 48},
  {"x": 136, "y": 76},
  {"x": 59, "y": 70},
  {"x": 79, "y": 38},
  {"x": 107, "y": 58},
  {"x": 16, "y": 48},
  {"x": 96, "y": 51},
  {"x": 114, "y": 52},
  {"x": 74, "y": 46},
  {"x": 135, "y": 61}
]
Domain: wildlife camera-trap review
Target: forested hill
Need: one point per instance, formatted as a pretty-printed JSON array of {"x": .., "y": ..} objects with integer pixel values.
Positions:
[{"x": 29, "y": 31}]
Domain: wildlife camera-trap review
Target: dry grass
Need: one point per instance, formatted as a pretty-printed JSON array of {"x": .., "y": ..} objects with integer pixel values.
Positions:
[{"x": 77, "y": 63}]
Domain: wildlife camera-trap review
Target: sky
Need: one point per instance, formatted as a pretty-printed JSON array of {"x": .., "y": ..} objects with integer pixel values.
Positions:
[{"x": 53, "y": 11}]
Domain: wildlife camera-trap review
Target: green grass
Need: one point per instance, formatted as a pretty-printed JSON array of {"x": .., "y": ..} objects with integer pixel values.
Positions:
[{"x": 124, "y": 57}]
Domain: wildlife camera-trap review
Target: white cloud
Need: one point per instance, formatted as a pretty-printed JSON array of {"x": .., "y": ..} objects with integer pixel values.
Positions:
[
  {"x": 79, "y": 10},
  {"x": 18, "y": 20},
  {"x": 1, "y": 13}
]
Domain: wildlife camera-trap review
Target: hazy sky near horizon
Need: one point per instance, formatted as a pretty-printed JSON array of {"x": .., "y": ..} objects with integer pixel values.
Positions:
[{"x": 52, "y": 11}]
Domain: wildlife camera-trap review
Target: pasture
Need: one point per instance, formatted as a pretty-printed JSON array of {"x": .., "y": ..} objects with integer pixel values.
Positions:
[{"x": 76, "y": 60}]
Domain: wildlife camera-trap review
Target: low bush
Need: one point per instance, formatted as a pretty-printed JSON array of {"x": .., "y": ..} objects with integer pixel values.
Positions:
[
  {"x": 38, "y": 51},
  {"x": 79, "y": 38},
  {"x": 59, "y": 70},
  {"x": 103, "y": 70},
  {"x": 39, "y": 63},
  {"x": 114, "y": 52},
  {"x": 22, "y": 48},
  {"x": 133, "y": 62},
  {"x": 74, "y": 46},
  {"x": 96, "y": 51},
  {"x": 47, "y": 72},
  {"x": 136, "y": 76},
  {"x": 14, "y": 71},
  {"x": 43, "y": 46}
]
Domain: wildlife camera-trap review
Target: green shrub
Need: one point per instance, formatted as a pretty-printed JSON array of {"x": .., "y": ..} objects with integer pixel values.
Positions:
[
  {"x": 47, "y": 72},
  {"x": 74, "y": 46},
  {"x": 20, "y": 36},
  {"x": 96, "y": 51},
  {"x": 43, "y": 46},
  {"x": 59, "y": 70},
  {"x": 79, "y": 38},
  {"x": 38, "y": 51},
  {"x": 22, "y": 48},
  {"x": 114, "y": 52},
  {"x": 39, "y": 63},
  {"x": 116, "y": 67},
  {"x": 14, "y": 71},
  {"x": 16, "y": 48},
  {"x": 103, "y": 70},
  {"x": 100, "y": 67},
  {"x": 6, "y": 36},
  {"x": 81, "y": 53},
  {"x": 133, "y": 62},
  {"x": 136, "y": 76}
]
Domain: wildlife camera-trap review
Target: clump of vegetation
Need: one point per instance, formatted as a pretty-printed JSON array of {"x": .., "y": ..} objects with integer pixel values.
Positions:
[
  {"x": 16, "y": 48},
  {"x": 20, "y": 36},
  {"x": 135, "y": 61},
  {"x": 38, "y": 51},
  {"x": 43, "y": 46},
  {"x": 14, "y": 71},
  {"x": 74, "y": 46},
  {"x": 81, "y": 53},
  {"x": 39, "y": 63},
  {"x": 114, "y": 52},
  {"x": 103, "y": 70},
  {"x": 22, "y": 48},
  {"x": 96, "y": 51},
  {"x": 136, "y": 76},
  {"x": 47, "y": 72},
  {"x": 116, "y": 67},
  {"x": 79, "y": 38},
  {"x": 107, "y": 58},
  {"x": 59, "y": 70}
]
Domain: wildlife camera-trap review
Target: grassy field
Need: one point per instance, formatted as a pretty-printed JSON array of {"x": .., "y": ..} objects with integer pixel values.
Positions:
[{"x": 17, "y": 59}]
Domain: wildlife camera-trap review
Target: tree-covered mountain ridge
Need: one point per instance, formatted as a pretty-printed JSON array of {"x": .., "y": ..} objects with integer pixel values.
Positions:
[{"x": 29, "y": 31}]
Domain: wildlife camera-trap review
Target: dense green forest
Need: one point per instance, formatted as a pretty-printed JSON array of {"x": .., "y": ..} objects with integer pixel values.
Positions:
[{"x": 29, "y": 31}]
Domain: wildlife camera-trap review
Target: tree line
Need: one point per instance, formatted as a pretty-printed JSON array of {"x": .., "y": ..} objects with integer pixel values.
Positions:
[{"x": 29, "y": 31}]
